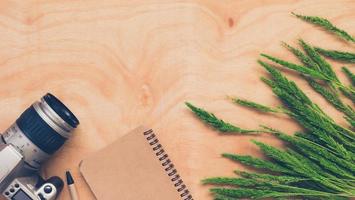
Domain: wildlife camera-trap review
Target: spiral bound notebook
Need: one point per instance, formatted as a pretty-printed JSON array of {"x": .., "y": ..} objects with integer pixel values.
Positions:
[{"x": 135, "y": 167}]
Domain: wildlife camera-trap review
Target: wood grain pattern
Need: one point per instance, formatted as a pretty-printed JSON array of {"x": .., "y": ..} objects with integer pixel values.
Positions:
[{"x": 118, "y": 64}]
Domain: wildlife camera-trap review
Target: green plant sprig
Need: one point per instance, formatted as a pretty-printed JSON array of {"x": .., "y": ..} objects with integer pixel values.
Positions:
[
  {"x": 217, "y": 123},
  {"x": 349, "y": 74},
  {"x": 323, "y": 163},
  {"x": 321, "y": 75},
  {"x": 257, "y": 106},
  {"x": 323, "y": 65},
  {"x": 327, "y": 25},
  {"x": 325, "y": 89},
  {"x": 319, "y": 162},
  {"x": 337, "y": 55}
]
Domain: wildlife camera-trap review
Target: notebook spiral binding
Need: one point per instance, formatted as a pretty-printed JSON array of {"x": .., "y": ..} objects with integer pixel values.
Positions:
[{"x": 168, "y": 165}]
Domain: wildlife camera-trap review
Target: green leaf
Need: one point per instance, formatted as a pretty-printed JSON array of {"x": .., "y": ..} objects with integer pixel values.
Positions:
[
  {"x": 255, "y": 106},
  {"x": 280, "y": 179},
  {"x": 317, "y": 163},
  {"x": 324, "y": 66},
  {"x": 287, "y": 160},
  {"x": 348, "y": 93},
  {"x": 242, "y": 193},
  {"x": 333, "y": 98},
  {"x": 281, "y": 83},
  {"x": 315, "y": 151},
  {"x": 257, "y": 163},
  {"x": 212, "y": 120},
  {"x": 301, "y": 69},
  {"x": 302, "y": 57},
  {"x": 337, "y": 55},
  {"x": 241, "y": 182},
  {"x": 239, "y": 193},
  {"x": 327, "y": 25},
  {"x": 349, "y": 74},
  {"x": 330, "y": 95}
]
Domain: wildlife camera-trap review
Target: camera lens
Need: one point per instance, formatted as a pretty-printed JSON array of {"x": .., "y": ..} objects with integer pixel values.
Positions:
[
  {"x": 41, "y": 130},
  {"x": 61, "y": 110},
  {"x": 47, "y": 124}
]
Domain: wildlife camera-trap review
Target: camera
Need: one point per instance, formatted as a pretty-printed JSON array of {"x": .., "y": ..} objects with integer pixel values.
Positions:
[{"x": 36, "y": 135}]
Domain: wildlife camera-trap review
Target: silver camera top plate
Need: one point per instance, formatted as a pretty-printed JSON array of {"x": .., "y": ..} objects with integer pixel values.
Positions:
[{"x": 10, "y": 160}]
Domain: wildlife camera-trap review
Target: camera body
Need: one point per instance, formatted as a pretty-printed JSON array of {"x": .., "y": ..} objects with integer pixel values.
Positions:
[
  {"x": 27, "y": 187},
  {"x": 36, "y": 135}
]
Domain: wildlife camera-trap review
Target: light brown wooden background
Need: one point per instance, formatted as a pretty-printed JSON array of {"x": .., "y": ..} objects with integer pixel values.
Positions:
[{"x": 118, "y": 64}]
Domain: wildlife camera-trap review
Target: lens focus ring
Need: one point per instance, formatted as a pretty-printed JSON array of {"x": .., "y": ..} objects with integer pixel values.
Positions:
[{"x": 39, "y": 132}]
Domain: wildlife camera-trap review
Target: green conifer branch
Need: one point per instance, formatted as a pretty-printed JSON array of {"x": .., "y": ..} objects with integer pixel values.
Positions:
[
  {"x": 238, "y": 193},
  {"x": 327, "y": 25},
  {"x": 258, "y": 163},
  {"x": 317, "y": 164},
  {"x": 216, "y": 123},
  {"x": 256, "y": 106},
  {"x": 329, "y": 159},
  {"x": 280, "y": 179},
  {"x": 351, "y": 122},
  {"x": 324, "y": 66},
  {"x": 333, "y": 98},
  {"x": 349, "y": 74},
  {"x": 326, "y": 76},
  {"x": 337, "y": 55},
  {"x": 242, "y": 182},
  {"x": 302, "y": 57},
  {"x": 348, "y": 92},
  {"x": 330, "y": 95},
  {"x": 298, "y": 68}
]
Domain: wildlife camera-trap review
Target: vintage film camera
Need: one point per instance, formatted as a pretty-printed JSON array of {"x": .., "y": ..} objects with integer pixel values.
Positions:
[{"x": 36, "y": 135}]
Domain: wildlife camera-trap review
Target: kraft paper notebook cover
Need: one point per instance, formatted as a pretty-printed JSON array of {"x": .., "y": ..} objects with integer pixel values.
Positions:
[{"x": 135, "y": 167}]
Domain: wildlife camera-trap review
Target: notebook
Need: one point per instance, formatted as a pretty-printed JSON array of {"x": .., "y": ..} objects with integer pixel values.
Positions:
[{"x": 135, "y": 167}]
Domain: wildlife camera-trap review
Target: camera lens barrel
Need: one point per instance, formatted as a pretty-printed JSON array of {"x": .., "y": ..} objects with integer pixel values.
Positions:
[
  {"x": 48, "y": 123},
  {"x": 41, "y": 129}
]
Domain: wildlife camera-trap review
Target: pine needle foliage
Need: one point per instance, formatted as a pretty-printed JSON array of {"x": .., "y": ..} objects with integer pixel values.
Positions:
[
  {"x": 318, "y": 163},
  {"x": 215, "y": 122},
  {"x": 333, "y": 98},
  {"x": 314, "y": 67},
  {"x": 337, "y": 55},
  {"x": 255, "y": 106},
  {"x": 299, "y": 68},
  {"x": 325, "y": 89},
  {"x": 323, "y": 65},
  {"x": 327, "y": 25},
  {"x": 349, "y": 74}
]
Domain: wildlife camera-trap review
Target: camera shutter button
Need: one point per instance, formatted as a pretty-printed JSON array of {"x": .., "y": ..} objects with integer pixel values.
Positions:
[{"x": 48, "y": 189}]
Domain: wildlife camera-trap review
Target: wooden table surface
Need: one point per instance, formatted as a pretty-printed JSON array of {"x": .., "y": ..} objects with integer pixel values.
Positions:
[{"x": 118, "y": 64}]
